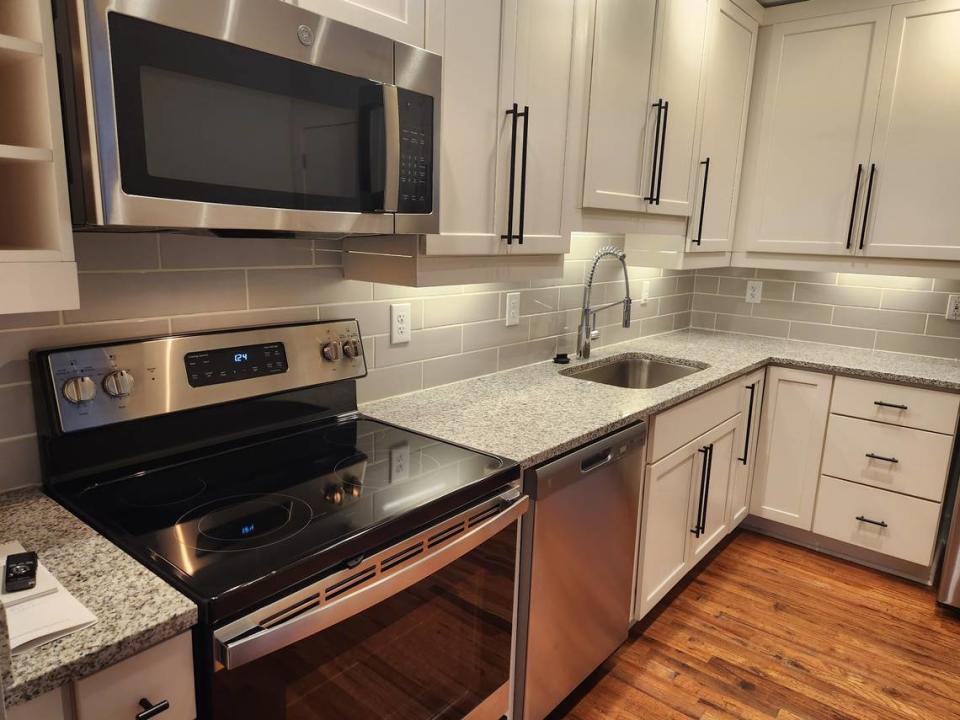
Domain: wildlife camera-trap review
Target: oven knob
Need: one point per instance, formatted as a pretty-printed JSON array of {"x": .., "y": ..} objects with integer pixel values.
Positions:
[
  {"x": 79, "y": 390},
  {"x": 119, "y": 383},
  {"x": 352, "y": 349},
  {"x": 331, "y": 351}
]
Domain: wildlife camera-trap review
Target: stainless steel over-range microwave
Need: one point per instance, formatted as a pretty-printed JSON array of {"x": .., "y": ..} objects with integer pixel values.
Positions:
[{"x": 245, "y": 115}]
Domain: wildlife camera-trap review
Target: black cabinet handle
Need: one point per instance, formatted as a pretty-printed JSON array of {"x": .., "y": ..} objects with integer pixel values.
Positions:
[
  {"x": 853, "y": 210},
  {"x": 523, "y": 168},
  {"x": 874, "y": 456},
  {"x": 704, "y": 470},
  {"x": 515, "y": 111},
  {"x": 866, "y": 204},
  {"x": 706, "y": 490},
  {"x": 878, "y": 523},
  {"x": 663, "y": 148},
  {"x": 896, "y": 406},
  {"x": 150, "y": 710},
  {"x": 652, "y": 197},
  {"x": 703, "y": 198},
  {"x": 746, "y": 441}
]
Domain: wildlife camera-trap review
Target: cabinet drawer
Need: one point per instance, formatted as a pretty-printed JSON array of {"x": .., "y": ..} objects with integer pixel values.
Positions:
[
  {"x": 897, "y": 404},
  {"x": 164, "y": 672},
  {"x": 675, "y": 427},
  {"x": 922, "y": 458},
  {"x": 911, "y": 524}
]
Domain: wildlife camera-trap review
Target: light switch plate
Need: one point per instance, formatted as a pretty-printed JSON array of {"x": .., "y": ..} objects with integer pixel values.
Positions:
[
  {"x": 754, "y": 291},
  {"x": 399, "y": 323},
  {"x": 513, "y": 309},
  {"x": 644, "y": 292},
  {"x": 953, "y": 307}
]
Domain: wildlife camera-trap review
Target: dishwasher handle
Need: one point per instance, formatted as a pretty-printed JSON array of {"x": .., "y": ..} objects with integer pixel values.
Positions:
[{"x": 583, "y": 462}]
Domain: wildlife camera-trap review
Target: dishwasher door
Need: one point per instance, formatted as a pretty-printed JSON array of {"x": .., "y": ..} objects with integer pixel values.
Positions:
[{"x": 578, "y": 565}]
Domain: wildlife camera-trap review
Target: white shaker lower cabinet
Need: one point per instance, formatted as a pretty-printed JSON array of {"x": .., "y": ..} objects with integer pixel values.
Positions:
[
  {"x": 795, "y": 409},
  {"x": 751, "y": 400},
  {"x": 53, "y": 705},
  {"x": 692, "y": 453},
  {"x": 401, "y": 20}
]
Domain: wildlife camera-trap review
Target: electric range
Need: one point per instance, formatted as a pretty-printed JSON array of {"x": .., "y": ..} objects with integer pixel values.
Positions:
[{"x": 235, "y": 465}]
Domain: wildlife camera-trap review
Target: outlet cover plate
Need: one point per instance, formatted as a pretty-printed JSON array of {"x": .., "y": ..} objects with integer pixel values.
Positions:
[
  {"x": 754, "y": 291},
  {"x": 513, "y": 309},
  {"x": 953, "y": 307},
  {"x": 399, "y": 323}
]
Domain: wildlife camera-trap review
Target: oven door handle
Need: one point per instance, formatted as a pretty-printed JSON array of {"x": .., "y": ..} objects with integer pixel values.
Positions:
[
  {"x": 241, "y": 641},
  {"x": 391, "y": 129}
]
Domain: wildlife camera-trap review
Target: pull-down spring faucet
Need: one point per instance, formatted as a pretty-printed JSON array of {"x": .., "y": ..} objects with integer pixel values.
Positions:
[{"x": 588, "y": 316}]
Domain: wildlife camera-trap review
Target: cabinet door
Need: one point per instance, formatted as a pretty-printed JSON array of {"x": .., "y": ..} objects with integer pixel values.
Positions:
[
  {"x": 914, "y": 211},
  {"x": 678, "y": 61},
  {"x": 401, "y": 20},
  {"x": 817, "y": 87},
  {"x": 542, "y": 49},
  {"x": 795, "y": 408},
  {"x": 467, "y": 34},
  {"x": 664, "y": 525},
  {"x": 614, "y": 177},
  {"x": 722, "y": 444},
  {"x": 731, "y": 43},
  {"x": 748, "y": 429}
]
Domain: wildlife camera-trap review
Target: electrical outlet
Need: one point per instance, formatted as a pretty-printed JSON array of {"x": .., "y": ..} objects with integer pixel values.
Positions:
[
  {"x": 754, "y": 291},
  {"x": 513, "y": 309},
  {"x": 644, "y": 292},
  {"x": 953, "y": 308},
  {"x": 400, "y": 462},
  {"x": 399, "y": 323}
]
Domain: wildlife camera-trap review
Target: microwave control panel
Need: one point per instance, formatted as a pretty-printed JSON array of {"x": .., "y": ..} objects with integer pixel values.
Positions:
[{"x": 416, "y": 152}]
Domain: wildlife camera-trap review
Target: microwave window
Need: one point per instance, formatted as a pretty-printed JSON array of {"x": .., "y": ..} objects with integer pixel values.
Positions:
[{"x": 205, "y": 120}]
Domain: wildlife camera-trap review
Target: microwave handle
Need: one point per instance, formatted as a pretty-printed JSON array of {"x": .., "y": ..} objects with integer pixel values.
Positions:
[{"x": 391, "y": 123}]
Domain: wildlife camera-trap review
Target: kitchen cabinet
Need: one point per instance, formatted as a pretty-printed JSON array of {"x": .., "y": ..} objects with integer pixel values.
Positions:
[
  {"x": 37, "y": 267},
  {"x": 915, "y": 156},
  {"x": 728, "y": 77},
  {"x": 796, "y": 404},
  {"x": 51, "y": 705},
  {"x": 401, "y": 20},
  {"x": 751, "y": 400},
  {"x": 812, "y": 118}
]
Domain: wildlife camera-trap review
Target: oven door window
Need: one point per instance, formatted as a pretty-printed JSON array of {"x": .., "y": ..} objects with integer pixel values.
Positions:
[
  {"x": 209, "y": 121},
  {"x": 434, "y": 651}
]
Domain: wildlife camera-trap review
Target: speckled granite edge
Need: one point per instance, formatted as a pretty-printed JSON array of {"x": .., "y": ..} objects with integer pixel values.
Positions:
[
  {"x": 135, "y": 608},
  {"x": 536, "y": 412}
]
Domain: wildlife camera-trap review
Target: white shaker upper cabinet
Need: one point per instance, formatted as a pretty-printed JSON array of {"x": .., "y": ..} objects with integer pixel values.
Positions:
[
  {"x": 537, "y": 55},
  {"x": 675, "y": 99},
  {"x": 401, "y": 20},
  {"x": 614, "y": 173},
  {"x": 816, "y": 97},
  {"x": 467, "y": 34},
  {"x": 731, "y": 43},
  {"x": 913, "y": 211}
]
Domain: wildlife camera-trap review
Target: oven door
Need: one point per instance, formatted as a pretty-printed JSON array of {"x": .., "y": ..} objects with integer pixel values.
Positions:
[
  {"x": 420, "y": 631},
  {"x": 243, "y": 114}
]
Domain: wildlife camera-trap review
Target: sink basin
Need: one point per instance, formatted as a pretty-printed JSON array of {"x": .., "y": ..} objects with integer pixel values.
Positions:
[{"x": 634, "y": 372}]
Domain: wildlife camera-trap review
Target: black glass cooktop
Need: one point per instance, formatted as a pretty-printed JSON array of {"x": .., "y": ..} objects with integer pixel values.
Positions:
[{"x": 274, "y": 512}]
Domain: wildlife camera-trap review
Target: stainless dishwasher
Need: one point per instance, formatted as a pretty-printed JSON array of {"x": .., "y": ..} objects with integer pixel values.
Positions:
[{"x": 578, "y": 560}]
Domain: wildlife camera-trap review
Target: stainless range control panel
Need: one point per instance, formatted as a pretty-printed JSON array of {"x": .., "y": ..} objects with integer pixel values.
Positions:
[{"x": 108, "y": 384}]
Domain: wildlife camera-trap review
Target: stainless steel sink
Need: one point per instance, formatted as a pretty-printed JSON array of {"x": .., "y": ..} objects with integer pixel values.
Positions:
[{"x": 634, "y": 372}]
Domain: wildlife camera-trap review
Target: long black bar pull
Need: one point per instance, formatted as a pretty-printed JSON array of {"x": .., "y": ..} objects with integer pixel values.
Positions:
[
  {"x": 853, "y": 210},
  {"x": 706, "y": 490},
  {"x": 652, "y": 197},
  {"x": 515, "y": 111},
  {"x": 703, "y": 199},
  {"x": 878, "y": 523},
  {"x": 663, "y": 149},
  {"x": 866, "y": 204},
  {"x": 523, "y": 167},
  {"x": 746, "y": 441},
  {"x": 697, "y": 529}
]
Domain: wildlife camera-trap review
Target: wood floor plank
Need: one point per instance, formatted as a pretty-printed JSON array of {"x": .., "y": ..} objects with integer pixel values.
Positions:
[{"x": 771, "y": 631}]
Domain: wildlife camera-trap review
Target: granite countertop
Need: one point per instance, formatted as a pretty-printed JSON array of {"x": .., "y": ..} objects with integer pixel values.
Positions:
[
  {"x": 135, "y": 609},
  {"x": 533, "y": 413}
]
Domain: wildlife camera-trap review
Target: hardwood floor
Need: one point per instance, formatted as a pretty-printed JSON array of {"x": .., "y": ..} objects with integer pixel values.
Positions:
[{"x": 770, "y": 630}]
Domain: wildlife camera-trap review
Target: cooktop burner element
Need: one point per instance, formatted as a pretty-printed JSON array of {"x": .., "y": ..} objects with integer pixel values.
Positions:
[{"x": 246, "y": 522}]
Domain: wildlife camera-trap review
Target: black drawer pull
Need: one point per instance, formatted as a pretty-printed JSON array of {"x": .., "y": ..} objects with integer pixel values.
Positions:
[
  {"x": 150, "y": 710},
  {"x": 896, "y": 406},
  {"x": 878, "y": 523},
  {"x": 874, "y": 456}
]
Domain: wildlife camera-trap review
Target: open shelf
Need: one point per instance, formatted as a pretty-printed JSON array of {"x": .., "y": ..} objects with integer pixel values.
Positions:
[
  {"x": 20, "y": 153},
  {"x": 29, "y": 212},
  {"x": 21, "y": 19},
  {"x": 15, "y": 49}
]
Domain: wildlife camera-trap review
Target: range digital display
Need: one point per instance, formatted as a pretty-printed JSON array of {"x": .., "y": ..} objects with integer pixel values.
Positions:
[{"x": 212, "y": 367}]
